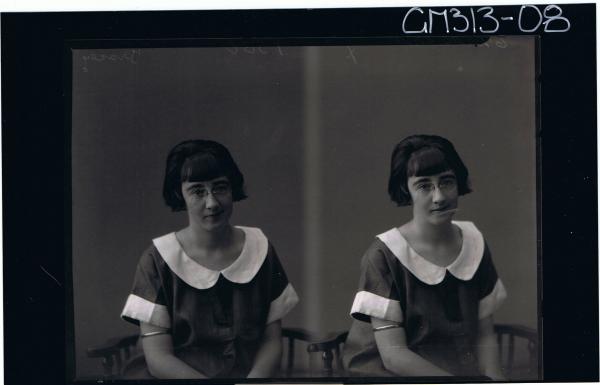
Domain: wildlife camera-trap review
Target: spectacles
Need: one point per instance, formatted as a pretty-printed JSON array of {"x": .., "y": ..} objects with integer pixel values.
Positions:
[
  {"x": 445, "y": 185},
  {"x": 219, "y": 190}
]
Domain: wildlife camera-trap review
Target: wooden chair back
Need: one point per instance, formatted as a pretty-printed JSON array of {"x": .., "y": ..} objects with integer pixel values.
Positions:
[
  {"x": 119, "y": 356},
  {"x": 511, "y": 338}
]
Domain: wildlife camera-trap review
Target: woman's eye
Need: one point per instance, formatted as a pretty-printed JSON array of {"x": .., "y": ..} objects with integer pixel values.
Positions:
[
  {"x": 199, "y": 192},
  {"x": 220, "y": 190},
  {"x": 424, "y": 187},
  {"x": 448, "y": 183}
]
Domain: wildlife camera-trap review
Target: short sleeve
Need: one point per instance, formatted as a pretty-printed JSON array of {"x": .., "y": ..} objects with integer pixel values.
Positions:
[
  {"x": 491, "y": 289},
  {"x": 377, "y": 295},
  {"x": 283, "y": 297},
  {"x": 146, "y": 302}
]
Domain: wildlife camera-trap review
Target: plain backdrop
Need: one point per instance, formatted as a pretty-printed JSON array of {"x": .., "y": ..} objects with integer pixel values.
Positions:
[{"x": 312, "y": 129}]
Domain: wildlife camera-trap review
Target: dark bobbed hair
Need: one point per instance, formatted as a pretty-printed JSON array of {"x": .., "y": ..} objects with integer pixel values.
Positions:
[
  {"x": 198, "y": 161},
  {"x": 422, "y": 155}
]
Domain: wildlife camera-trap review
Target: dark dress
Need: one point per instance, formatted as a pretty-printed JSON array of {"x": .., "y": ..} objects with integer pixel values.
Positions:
[
  {"x": 439, "y": 307},
  {"x": 216, "y": 318}
]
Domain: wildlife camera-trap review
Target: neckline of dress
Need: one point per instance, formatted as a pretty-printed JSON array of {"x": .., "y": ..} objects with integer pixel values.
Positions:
[
  {"x": 463, "y": 267},
  {"x": 242, "y": 270},
  {"x": 448, "y": 266},
  {"x": 237, "y": 258}
]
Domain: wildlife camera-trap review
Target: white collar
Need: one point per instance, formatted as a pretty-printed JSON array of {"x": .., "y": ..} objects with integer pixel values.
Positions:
[
  {"x": 463, "y": 267},
  {"x": 242, "y": 270}
]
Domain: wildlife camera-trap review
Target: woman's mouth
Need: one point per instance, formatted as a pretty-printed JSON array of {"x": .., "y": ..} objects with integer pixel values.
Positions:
[
  {"x": 444, "y": 210},
  {"x": 213, "y": 216}
]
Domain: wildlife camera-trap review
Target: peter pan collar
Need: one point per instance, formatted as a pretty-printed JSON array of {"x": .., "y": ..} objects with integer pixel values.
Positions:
[
  {"x": 242, "y": 270},
  {"x": 463, "y": 267}
]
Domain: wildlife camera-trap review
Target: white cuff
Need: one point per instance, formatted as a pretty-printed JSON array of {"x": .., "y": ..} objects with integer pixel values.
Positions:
[
  {"x": 282, "y": 304},
  {"x": 492, "y": 301},
  {"x": 140, "y": 309},
  {"x": 376, "y": 306}
]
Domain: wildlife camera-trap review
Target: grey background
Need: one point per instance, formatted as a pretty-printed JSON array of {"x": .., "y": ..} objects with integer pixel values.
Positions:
[{"x": 312, "y": 129}]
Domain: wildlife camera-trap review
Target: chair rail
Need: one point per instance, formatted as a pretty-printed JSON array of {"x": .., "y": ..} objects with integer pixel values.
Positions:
[
  {"x": 116, "y": 353},
  {"x": 330, "y": 347}
]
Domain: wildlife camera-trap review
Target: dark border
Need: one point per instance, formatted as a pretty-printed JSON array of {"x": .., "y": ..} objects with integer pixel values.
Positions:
[
  {"x": 539, "y": 197},
  {"x": 36, "y": 165}
]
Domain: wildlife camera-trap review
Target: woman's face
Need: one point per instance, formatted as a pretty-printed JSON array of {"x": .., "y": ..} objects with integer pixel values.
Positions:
[
  {"x": 209, "y": 203},
  {"x": 434, "y": 197}
]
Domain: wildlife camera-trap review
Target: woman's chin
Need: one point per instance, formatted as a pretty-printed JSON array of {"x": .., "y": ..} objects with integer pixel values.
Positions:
[
  {"x": 215, "y": 225},
  {"x": 441, "y": 218},
  {"x": 215, "y": 222}
]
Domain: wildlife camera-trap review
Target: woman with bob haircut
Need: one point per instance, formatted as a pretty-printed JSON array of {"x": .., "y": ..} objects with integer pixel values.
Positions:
[
  {"x": 428, "y": 288},
  {"x": 209, "y": 298}
]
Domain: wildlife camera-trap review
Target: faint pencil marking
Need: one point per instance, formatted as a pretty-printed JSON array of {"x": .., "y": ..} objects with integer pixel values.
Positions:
[
  {"x": 50, "y": 275},
  {"x": 351, "y": 55}
]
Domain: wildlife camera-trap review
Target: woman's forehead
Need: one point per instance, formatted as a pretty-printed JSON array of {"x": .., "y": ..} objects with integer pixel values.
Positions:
[
  {"x": 209, "y": 182},
  {"x": 439, "y": 175}
]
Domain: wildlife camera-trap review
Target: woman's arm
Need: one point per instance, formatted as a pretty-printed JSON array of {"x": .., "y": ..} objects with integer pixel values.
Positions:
[
  {"x": 268, "y": 358},
  {"x": 487, "y": 350},
  {"x": 397, "y": 357},
  {"x": 158, "y": 351}
]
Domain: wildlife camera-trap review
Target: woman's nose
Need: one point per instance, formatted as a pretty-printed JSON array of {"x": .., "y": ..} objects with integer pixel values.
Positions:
[
  {"x": 438, "y": 195},
  {"x": 210, "y": 201}
]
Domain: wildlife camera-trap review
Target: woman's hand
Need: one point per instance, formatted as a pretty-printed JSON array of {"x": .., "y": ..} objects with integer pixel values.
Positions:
[
  {"x": 397, "y": 357},
  {"x": 158, "y": 351},
  {"x": 487, "y": 350},
  {"x": 268, "y": 358}
]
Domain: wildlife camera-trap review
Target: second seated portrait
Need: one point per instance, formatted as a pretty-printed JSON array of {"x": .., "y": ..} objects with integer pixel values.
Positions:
[{"x": 428, "y": 288}]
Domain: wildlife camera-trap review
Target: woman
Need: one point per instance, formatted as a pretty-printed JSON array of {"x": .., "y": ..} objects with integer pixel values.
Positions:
[
  {"x": 428, "y": 288},
  {"x": 209, "y": 298}
]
